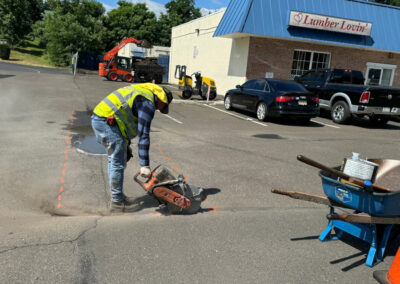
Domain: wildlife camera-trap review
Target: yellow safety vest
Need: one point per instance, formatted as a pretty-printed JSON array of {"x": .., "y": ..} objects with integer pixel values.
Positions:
[{"x": 119, "y": 104}]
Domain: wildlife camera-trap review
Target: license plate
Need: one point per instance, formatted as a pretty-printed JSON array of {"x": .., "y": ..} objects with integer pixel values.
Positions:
[
  {"x": 302, "y": 103},
  {"x": 386, "y": 109},
  {"x": 394, "y": 110}
]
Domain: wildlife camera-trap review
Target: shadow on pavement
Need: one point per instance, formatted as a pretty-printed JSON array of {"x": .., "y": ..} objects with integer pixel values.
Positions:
[
  {"x": 362, "y": 247},
  {"x": 5, "y": 76}
]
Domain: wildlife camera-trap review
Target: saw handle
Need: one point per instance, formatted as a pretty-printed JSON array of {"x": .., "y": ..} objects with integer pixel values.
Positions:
[
  {"x": 146, "y": 185},
  {"x": 357, "y": 181}
]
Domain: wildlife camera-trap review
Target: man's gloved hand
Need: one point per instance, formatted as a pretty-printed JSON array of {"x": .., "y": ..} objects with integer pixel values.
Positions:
[
  {"x": 145, "y": 171},
  {"x": 128, "y": 153}
]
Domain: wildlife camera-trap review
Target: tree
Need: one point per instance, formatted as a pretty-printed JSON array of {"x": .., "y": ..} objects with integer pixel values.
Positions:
[
  {"x": 17, "y": 17},
  {"x": 178, "y": 12},
  {"x": 73, "y": 26},
  {"x": 130, "y": 20},
  {"x": 182, "y": 11}
]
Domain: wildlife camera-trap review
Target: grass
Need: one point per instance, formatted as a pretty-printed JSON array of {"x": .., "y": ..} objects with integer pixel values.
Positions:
[{"x": 30, "y": 54}]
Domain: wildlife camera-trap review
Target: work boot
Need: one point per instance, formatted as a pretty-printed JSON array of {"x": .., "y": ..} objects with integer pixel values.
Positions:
[{"x": 125, "y": 206}]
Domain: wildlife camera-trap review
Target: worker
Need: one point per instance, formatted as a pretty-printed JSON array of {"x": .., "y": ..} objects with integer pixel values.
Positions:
[{"x": 121, "y": 116}]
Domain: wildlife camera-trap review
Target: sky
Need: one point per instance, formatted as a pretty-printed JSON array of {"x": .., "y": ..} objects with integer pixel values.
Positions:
[{"x": 157, "y": 5}]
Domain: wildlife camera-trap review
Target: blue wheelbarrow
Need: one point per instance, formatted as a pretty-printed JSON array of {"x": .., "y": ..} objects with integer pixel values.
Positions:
[{"x": 375, "y": 208}]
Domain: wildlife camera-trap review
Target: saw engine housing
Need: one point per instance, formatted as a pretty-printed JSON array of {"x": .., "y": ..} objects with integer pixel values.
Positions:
[{"x": 175, "y": 193}]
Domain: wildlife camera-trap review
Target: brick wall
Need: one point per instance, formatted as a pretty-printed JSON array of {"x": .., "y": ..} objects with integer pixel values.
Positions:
[{"x": 275, "y": 55}]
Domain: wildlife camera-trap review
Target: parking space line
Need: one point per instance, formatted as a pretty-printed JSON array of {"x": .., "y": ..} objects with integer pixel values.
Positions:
[
  {"x": 174, "y": 119},
  {"x": 238, "y": 116},
  {"x": 333, "y": 126}
]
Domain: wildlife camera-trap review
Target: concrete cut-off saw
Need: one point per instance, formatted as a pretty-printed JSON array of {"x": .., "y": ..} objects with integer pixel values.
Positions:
[{"x": 174, "y": 193}]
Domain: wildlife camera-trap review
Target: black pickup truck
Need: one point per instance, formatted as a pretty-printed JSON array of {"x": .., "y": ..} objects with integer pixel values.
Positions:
[{"x": 344, "y": 94}]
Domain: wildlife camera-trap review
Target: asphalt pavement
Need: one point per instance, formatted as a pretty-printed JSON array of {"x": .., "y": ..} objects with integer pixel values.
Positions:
[{"x": 54, "y": 223}]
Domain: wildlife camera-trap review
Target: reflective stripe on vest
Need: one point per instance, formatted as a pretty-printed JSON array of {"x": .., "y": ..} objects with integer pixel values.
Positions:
[{"x": 119, "y": 104}]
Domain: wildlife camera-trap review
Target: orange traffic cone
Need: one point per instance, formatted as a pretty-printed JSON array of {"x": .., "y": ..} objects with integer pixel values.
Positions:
[{"x": 393, "y": 275}]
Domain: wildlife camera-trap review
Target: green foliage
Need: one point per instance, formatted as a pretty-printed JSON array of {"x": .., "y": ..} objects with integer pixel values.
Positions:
[
  {"x": 388, "y": 2},
  {"x": 178, "y": 12},
  {"x": 137, "y": 21},
  {"x": 130, "y": 20},
  {"x": 73, "y": 26},
  {"x": 17, "y": 17},
  {"x": 67, "y": 26},
  {"x": 181, "y": 11},
  {"x": 4, "y": 51}
]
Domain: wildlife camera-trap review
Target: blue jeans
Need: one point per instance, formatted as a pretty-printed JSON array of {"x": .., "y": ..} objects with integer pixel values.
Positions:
[{"x": 112, "y": 139}]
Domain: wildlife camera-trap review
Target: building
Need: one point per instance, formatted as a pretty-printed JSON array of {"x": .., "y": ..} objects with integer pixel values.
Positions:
[
  {"x": 132, "y": 49},
  {"x": 284, "y": 39}
]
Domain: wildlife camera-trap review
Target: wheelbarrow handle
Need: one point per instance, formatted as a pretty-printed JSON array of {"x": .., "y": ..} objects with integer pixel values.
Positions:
[{"x": 357, "y": 181}]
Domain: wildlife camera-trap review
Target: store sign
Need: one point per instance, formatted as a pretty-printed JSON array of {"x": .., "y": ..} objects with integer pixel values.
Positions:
[{"x": 313, "y": 21}]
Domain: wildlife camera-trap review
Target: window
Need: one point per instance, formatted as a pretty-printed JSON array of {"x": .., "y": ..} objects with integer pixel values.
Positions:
[
  {"x": 342, "y": 76},
  {"x": 287, "y": 86},
  {"x": 307, "y": 60},
  {"x": 255, "y": 84},
  {"x": 249, "y": 84},
  {"x": 260, "y": 85},
  {"x": 313, "y": 76},
  {"x": 380, "y": 74}
]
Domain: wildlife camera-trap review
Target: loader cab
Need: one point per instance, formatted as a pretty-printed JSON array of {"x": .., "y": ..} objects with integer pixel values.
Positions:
[{"x": 123, "y": 63}]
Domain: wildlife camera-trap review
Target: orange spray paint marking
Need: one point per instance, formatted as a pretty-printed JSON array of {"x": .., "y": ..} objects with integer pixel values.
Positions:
[
  {"x": 155, "y": 145},
  {"x": 175, "y": 167},
  {"x": 185, "y": 177},
  {"x": 160, "y": 151},
  {"x": 63, "y": 172},
  {"x": 168, "y": 158},
  {"x": 155, "y": 213}
]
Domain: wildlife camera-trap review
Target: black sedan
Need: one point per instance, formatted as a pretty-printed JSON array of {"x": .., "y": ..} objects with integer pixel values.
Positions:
[{"x": 273, "y": 98}]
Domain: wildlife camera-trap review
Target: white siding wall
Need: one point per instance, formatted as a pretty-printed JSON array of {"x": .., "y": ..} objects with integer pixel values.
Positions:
[
  {"x": 223, "y": 59},
  {"x": 156, "y": 51}
]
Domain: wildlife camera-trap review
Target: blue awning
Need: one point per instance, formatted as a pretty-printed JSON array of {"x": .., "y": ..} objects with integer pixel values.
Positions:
[{"x": 270, "y": 18}]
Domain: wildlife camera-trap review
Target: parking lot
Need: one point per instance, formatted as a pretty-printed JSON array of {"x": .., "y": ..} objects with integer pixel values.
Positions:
[{"x": 54, "y": 226}]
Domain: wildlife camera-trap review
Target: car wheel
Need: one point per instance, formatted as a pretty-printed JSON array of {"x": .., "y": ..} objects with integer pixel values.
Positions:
[
  {"x": 112, "y": 76},
  {"x": 261, "y": 111},
  {"x": 340, "y": 112},
  {"x": 378, "y": 120},
  {"x": 228, "y": 102}
]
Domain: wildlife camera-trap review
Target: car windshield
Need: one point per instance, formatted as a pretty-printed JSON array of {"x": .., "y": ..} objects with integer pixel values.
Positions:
[{"x": 287, "y": 86}]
